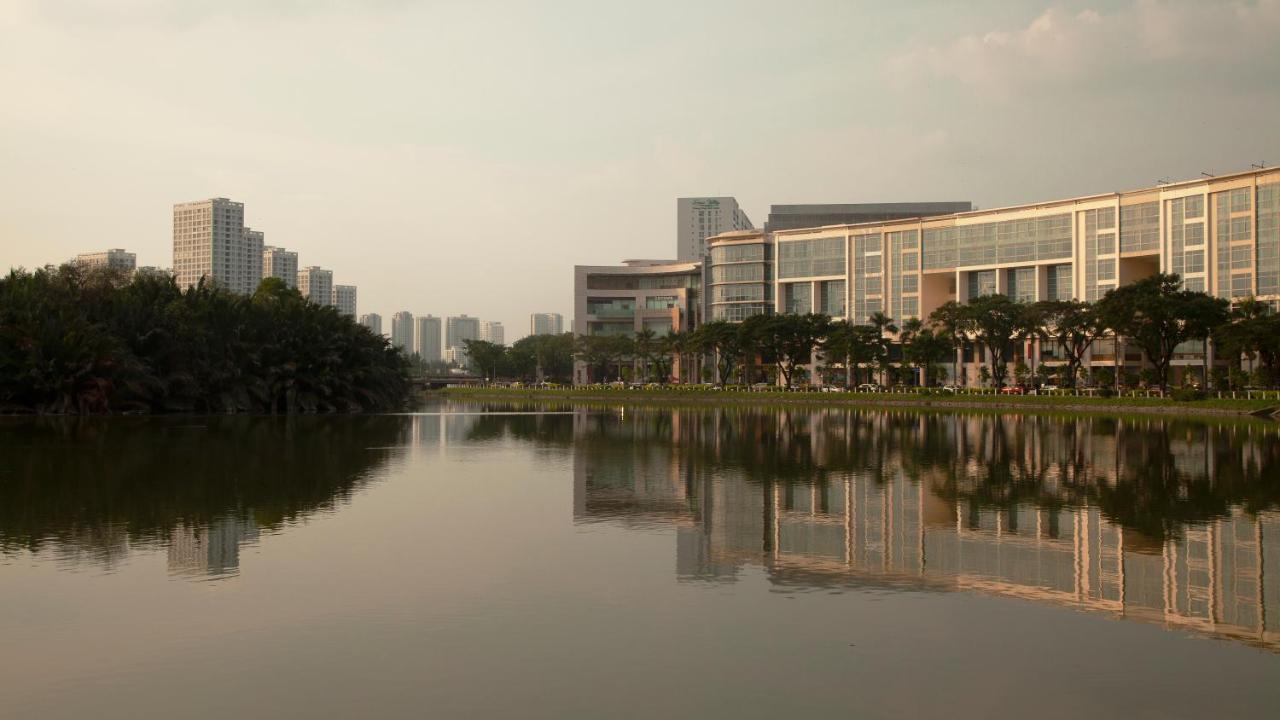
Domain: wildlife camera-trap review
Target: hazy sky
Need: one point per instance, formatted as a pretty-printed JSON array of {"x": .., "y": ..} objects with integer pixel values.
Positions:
[{"x": 452, "y": 157}]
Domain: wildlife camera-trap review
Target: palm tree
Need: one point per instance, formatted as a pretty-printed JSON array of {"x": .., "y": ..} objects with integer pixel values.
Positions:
[{"x": 883, "y": 324}]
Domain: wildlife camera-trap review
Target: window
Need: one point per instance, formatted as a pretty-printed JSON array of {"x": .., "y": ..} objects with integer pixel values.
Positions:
[
  {"x": 1106, "y": 244},
  {"x": 798, "y": 298},
  {"x": 1194, "y": 263},
  {"x": 808, "y": 258},
  {"x": 832, "y": 297},
  {"x": 1241, "y": 257},
  {"x": 1021, "y": 284},
  {"x": 1107, "y": 269},
  {"x": 1242, "y": 285},
  {"x": 1059, "y": 282},
  {"x": 982, "y": 282}
]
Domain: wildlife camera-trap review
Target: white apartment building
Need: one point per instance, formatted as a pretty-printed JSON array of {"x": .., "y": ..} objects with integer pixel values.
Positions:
[
  {"x": 493, "y": 332},
  {"x": 698, "y": 218},
  {"x": 115, "y": 258},
  {"x": 280, "y": 263},
  {"x": 373, "y": 321},
  {"x": 316, "y": 284},
  {"x": 253, "y": 240},
  {"x": 546, "y": 324},
  {"x": 210, "y": 241},
  {"x": 427, "y": 342},
  {"x": 459, "y": 329},
  {"x": 344, "y": 298},
  {"x": 402, "y": 330}
]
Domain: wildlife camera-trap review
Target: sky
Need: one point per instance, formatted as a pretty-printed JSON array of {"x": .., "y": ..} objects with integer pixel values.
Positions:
[{"x": 462, "y": 157}]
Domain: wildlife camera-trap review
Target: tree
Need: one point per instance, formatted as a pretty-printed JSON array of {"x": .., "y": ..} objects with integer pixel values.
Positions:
[
  {"x": 839, "y": 344},
  {"x": 724, "y": 340},
  {"x": 644, "y": 344},
  {"x": 955, "y": 322},
  {"x": 996, "y": 321},
  {"x": 74, "y": 340},
  {"x": 883, "y": 324},
  {"x": 604, "y": 352},
  {"x": 791, "y": 340},
  {"x": 1074, "y": 326},
  {"x": 1253, "y": 332},
  {"x": 1158, "y": 315},
  {"x": 926, "y": 348}
]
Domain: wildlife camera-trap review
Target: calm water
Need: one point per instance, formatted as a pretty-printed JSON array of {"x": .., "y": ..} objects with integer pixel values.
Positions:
[{"x": 476, "y": 561}]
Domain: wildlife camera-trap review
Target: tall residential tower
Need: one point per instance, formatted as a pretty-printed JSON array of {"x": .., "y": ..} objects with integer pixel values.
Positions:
[{"x": 699, "y": 218}]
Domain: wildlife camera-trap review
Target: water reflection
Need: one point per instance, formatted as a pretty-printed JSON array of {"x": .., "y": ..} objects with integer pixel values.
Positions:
[
  {"x": 89, "y": 491},
  {"x": 1162, "y": 520}
]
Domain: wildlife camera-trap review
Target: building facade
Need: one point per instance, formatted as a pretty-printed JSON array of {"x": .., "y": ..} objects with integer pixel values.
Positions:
[
  {"x": 427, "y": 341},
  {"x": 699, "y": 218},
  {"x": 210, "y": 241},
  {"x": 739, "y": 275},
  {"x": 373, "y": 321},
  {"x": 316, "y": 284},
  {"x": 459, "y": 329},
  {"x": 493, "y": 332},
  {"x": 660, "y": 296},
  {"x": 344, "y": 299},
  {"x": 402, "y": 330},
  {"x": 115, "y": 259},
  {"x": 546, "y": 324},
  {"x": 280, "y": 263}
]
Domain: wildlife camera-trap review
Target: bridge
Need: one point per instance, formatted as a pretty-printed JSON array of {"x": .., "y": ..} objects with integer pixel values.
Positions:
[{"x": 435, "y": 382}]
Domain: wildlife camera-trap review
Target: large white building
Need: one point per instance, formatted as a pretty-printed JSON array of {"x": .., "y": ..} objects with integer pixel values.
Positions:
[
  {"x": 459, "y": 329},
  {"x": 280, "y": 263},
  {"x": 546, "y": 324},
  {"x": 493, "y": 332},
  {"x": 702, "y": 217},
  {"x": 211, "y": 241},
  {"x": 402, "y": 330},
  {"x": 115, "y": 258},
  {"x": 427, "y": 342},
  {"x": 373, "y": 321},
  {"x": 344, "y": 298},
  {"x": 316, "y": 284}
]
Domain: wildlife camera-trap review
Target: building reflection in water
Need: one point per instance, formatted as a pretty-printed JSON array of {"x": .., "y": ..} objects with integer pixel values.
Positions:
[
  {"x": 210, "y": 549},
  {"x": 1155, "y": 520}
]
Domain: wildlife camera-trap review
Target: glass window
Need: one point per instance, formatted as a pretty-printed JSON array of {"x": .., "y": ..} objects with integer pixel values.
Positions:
[
  {"x": 737, "y": 293},
  {"x": 737, "y": 253},
  {"x": 1241, "y": 257},
  {"x": 661, "y": 302},
  {"x": 1242, "y": 285},
  {"x": 737, "y": 273},
  {"x": 1021, "y": 284},
  {"x": 1241, "y": 200},
  {"x": 809, "y": 258},
  {"x": 1106, "y": 244},
  {"x": 1194, "y": 206},
  {"x": 1059, "y": 282},
  {"x": 798, "y": 298},
  {"x": 982, "y": 282},
  {"x": 1140, "y": 227},
  {"x": 1194, "y": 263},
  {"x": 832, "y": 297},
  {"x": 1107, "y": 269}
]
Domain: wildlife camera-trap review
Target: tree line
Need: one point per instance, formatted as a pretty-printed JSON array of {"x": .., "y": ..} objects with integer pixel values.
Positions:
[
  {"x": 76, "y": 340},
  {"x": 1155, "y": 315}
]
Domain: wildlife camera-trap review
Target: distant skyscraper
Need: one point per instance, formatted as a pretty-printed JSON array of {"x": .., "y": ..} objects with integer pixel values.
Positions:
[
  {"x": 699, "y": 218},
  {"x": 373, "y": 321},
  {"x": 280, "y": 263},
  {"x": 493, "y": 332},
  {"x": 461, "y": 328},
  {"x": 344, "y": 298},
  {"x": 546, "y": 324},
  {"x": 427, "y": 340},
  {"x": 115, "y": 258},
  {"x": 210, "y": 241},
  {"x": 316, "y": 284},
  {"x": 253, "y": 260},
  {"x": 402, "y": 330}
]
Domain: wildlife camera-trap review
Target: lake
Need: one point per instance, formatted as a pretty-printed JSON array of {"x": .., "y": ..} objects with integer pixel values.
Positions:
[{"x": 491, "y": 560}]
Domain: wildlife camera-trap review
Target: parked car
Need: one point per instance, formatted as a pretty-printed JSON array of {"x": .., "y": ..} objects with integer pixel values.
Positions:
[
  {"x": 1048, "y": 388},
  {"x": 870, "y": 387},
  {"x": 1012, "y": 390},
  {"x": 951, "y": 388}
]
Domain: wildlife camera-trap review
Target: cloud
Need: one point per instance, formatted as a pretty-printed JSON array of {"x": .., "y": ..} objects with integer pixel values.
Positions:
[{"x": 1184, "y": 43}]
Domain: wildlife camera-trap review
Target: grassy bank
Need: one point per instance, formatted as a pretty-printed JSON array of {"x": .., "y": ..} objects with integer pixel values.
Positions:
[{"x": 1217, "y": 407}]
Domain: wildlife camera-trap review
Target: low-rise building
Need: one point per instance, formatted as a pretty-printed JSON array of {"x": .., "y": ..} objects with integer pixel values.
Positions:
[{"x": 115, "y": 259}]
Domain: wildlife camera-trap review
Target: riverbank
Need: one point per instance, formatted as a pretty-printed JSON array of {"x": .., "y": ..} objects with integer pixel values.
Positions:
[{"x": 1213, "y": 407}]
